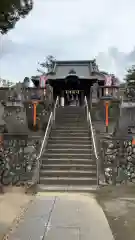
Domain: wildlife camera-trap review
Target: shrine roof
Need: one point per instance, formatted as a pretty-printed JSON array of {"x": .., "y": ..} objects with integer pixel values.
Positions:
[{"x": 86, "y": 69}]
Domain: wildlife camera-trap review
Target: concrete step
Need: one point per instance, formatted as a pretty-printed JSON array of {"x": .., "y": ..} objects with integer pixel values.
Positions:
[
  {"x": 62, "y": 116},
  {"x": 68, "y": 155},
  {"x": 67, "y": 173},
  {"x": 70, "y": 120},
  {"x": 70, "y": 141},
  {"x": 66, "y": 161},
  {"x": 72, "y": 125},
  {"x": 70, "y": 112},
  {"x": 68, "y": 138},
  {"x": 71, "y": 115},
  {"x": 70, "y": 130},
  {"x": 69, "y": 151},
  {"x": 68, "y": 166},
  {"x": 83, "y": 122},
  {"x": 69, "y": 134},
  {"x": 70, "y": 109},
  {"x": 68, "y": 146},
  {"x": 64, "y": 188},
  {"x": 59, "y": 127},
  {"x": 68, "y": 181},
  {"x": 77, "y": 108}
]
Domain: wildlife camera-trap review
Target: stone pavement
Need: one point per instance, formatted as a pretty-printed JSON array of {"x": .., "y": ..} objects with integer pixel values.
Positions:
[
  {"x": 63, "y": 216},
  {"x": 12, "y": 204}
]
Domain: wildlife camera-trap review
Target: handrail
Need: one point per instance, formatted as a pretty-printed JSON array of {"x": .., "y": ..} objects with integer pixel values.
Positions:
[
  {"x": 50, "y": 121},
  {"x": 52, "y": 117},
  {"x": 46, "y": 132},
  {"x": 93, "y": 138}
]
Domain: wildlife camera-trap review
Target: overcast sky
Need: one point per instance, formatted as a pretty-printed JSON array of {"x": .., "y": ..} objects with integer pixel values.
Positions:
[{"x": 71, "y": 29}]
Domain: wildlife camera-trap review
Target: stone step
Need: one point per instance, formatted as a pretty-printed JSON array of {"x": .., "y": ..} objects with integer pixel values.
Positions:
[
  {"x": 70, "y": 130},
  {"x": 64, "y": 188},
  {"x": 71, "y": 110},
  {"x": 66, "y": 161},
  {"x": 69, "y": 134},
  {"x": 59, "y": 127},
  {"x": 74, "y": 113},
  {"x": 69, "y": 145},
  {"x": 68, "y": 166},
  {"x": 68, "y": 151},
  {"x": 68, "y": 155},
  {"x": 65, "y": 155},
  {"x": 72, "y": 125},
  {"x": 70, "y": 141},
  {"x": 67, "y": 173},
  {"x": 82, "y": 123},
  {"x": 68, "y": 181},
  {"x": 70, "y": 114},
  {"x": 68, "y": 138},
  {"x": 71, "y": 120},
  {"x": 70, "y": 117},
  {"x": 67, "y": 116}
]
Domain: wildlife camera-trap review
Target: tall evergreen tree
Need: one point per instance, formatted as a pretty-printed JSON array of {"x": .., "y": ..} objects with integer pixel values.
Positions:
[
  {"x": 130, "y": 82},
  {"x": 130, "y": 76}
]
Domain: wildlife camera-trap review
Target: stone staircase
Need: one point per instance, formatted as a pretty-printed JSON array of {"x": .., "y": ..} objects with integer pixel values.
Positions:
[{"x": 67, "y": 164}]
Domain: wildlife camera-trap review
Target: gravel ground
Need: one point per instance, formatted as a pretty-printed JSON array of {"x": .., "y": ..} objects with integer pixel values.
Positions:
[{"x": 118, "y": 204}]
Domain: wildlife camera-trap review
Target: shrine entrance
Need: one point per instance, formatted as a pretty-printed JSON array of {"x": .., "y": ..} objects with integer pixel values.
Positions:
[{"x": 72, "y": 98}]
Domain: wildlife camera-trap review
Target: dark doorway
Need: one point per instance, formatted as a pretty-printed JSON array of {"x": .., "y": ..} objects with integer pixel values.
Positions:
[{"x": 74, "y": 97}]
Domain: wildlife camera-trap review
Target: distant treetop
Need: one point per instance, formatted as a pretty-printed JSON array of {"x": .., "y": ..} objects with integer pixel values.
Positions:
[
  {"x": 130, "y": 76},
  {"x": 48, "y": 65}
]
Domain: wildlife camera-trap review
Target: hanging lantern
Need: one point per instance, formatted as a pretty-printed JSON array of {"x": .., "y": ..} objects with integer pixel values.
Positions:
[
  {"x": 108, "y": 83},
  {"x": 43, "y": 80}
]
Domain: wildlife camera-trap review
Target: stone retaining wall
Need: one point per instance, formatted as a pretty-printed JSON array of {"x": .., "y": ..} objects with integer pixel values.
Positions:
[{"x": 118, "y": 157}]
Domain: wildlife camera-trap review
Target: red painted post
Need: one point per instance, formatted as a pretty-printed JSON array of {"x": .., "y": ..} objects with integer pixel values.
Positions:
[{"x": 107, "y": 115}]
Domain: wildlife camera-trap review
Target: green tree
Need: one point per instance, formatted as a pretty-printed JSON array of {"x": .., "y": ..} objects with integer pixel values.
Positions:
[
  {"x": 47, "y": 66},
  {"x": 130, "y": 76},
  {"x": 11, "y": 11},
  {"x": 130, "y": 82}
]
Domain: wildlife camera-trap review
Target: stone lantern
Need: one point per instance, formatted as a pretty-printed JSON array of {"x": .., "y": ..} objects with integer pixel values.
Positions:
[{"x": 109, "y": 94}]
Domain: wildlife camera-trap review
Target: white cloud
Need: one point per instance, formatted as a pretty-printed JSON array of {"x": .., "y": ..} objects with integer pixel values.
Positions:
[{"x": 70, "y": 29}]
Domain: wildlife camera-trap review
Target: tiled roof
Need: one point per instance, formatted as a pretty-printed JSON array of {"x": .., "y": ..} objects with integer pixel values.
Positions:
[{"x": 82, "y": 69}]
